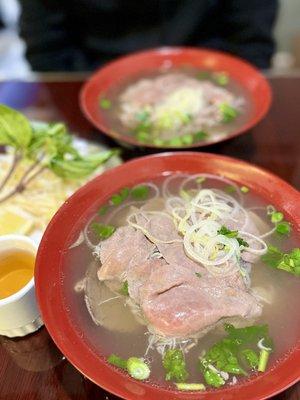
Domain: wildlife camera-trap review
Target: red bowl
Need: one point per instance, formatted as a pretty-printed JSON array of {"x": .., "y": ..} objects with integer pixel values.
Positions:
[
  {"x": 112, "y": 74},
  {"x": 51, "y": 270}
]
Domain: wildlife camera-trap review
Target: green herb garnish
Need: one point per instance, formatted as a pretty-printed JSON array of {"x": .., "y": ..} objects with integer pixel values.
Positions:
[
  {"x": 187, "y": 139},
  {"x": 277, "y": 218},
  {"x": 283, "y": 228},
  {"x": 105, "y": 104},
  {"x": 228, "y": 112},
  {"x": 198, "y": 274},
  {"x": 289, "y": 262},
  {"x": 124, "y": 289},
  {"x": 103, "y": 231},
  {"x": 230, "y": 189},
  {"x": 203, "y": 75},
  {"x": 117, "y": 361},
  {"x": 42, "y": 146},
  {"x": 175, "y": 142},
  {"x": 228, "y": 354},
  {"x": 221, "y": 78},
  {"x": 140, "y": 192},
  {"x": 103, "y": 210},
  {"x": 118, "y": 198},
  {"x": 232, "y": 235},
  {"x": 174, "y": 365},
  {"x": 136, "y": 367},
  {"x": 190, "y": 386},
  {"x": 245, "y": 189},
  {"x": 200, "y": 135}
]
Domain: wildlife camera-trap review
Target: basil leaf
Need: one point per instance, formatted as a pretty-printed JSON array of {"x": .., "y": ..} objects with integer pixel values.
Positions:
[{"x": 15, "y": 129}]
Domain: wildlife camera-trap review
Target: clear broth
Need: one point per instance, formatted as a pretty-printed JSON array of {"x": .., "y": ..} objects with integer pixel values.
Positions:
[{"x": 281, "y": 315}]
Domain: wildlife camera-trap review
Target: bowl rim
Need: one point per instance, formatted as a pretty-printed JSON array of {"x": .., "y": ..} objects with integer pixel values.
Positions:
[
  {"x": 287, "y": 371},
  {"x": 169, "y": 51}
]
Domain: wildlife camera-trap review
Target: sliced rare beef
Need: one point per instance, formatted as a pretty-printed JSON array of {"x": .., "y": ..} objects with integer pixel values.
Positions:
[
  {"x": 126, "y": 247},
  {"x": 178, "y": 303}
]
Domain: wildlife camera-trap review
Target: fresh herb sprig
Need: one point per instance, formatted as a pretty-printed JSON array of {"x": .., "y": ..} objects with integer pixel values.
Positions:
[
  {"x": 47, "y": 146},
  {"x": 289, "y": 262},
  {"x": 231, "y": 353},
  {"x": 232, "y": 235},
  {"x": 174, "y": 365}
]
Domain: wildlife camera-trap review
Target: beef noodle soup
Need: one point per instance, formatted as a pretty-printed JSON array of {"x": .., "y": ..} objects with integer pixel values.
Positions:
[
  {"x": 177, "y": 107},
  {"x": 186, "y": 281}
]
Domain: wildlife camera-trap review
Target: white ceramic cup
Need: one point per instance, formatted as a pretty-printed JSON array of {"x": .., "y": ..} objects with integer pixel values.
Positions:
[{"x": 19, "y": 313}]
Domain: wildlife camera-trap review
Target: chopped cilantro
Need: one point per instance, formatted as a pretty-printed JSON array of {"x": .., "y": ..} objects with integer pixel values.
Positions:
[
  {"x": 230, "y": 189},
  {"x": 118, "y": 198},
  {"x": 103, "y": 231},
  {"x": 103, "y": 210},
  {"x": 124, "y": 289},
  {"x": 232, "y": 235},
  {"x": 105, "y": 104},
  {"x": 198, "y": 274},
  {"x": 200, "y": 135},
  {"x": 228, "y": 112},
  {"x": 140, "y": 192},
  {"x": 289, "y": 262},
  {"x": 174, "y": 365},
  {"x": 228, "y": 354}
]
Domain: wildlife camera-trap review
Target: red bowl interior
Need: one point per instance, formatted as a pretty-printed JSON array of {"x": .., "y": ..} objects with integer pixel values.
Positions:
[
  {"x": 50, "y": 271},
  {"x": 112, "y": 74}
]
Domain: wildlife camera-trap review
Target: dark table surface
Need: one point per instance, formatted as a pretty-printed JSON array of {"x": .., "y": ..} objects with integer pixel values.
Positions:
[{"x": 32, "y": 368}]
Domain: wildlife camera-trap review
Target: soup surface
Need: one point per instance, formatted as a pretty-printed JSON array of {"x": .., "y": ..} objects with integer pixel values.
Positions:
[
  {"x": 167, "y": 264},
  {"x": 177, "y": 107},
  {"x": 16, "y": 270}
]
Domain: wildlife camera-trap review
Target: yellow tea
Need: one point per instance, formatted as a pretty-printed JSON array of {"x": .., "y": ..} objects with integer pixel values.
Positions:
[{"x": 16, "y": 270}]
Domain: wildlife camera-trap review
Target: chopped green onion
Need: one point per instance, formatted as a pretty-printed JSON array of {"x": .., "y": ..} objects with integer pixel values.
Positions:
[
  {"x": 103, "y": 210},
  {"x": 187, "y": 139},
  {"x": 283, "y": 228},
  {"x": 245, "y": 189},
  {"x": 263, "y": 360},
  {"x": 228, "y": 112},
  {"x": 103, "y": 231},
  {"x": 117, "y": 361},
  {"x": 137, "y": 368},
  {"x": 221, "y": 78},
  {"x": 276, "y": 216},
  {"x": 158, "y": 142},
  {"x": 143, "y": 136},
  {"x": 190, "y": 386},
  {"x": 200, "y": 179},
  {"x": 203, "y": 75},
  {"x": 184, "y": 194},
  {"x": 140, "y": 192},
  {"x": 175, "y": 142},
  {"x": 124, "y": 289},
  {"x": 200, "y": 135},
  {"x": 105, "y": 104},
  {"x": 230, "y": 189}
]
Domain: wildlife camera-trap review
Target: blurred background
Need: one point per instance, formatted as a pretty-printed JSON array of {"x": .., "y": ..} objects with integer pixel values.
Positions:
[{"x": 13, "y": 62}]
